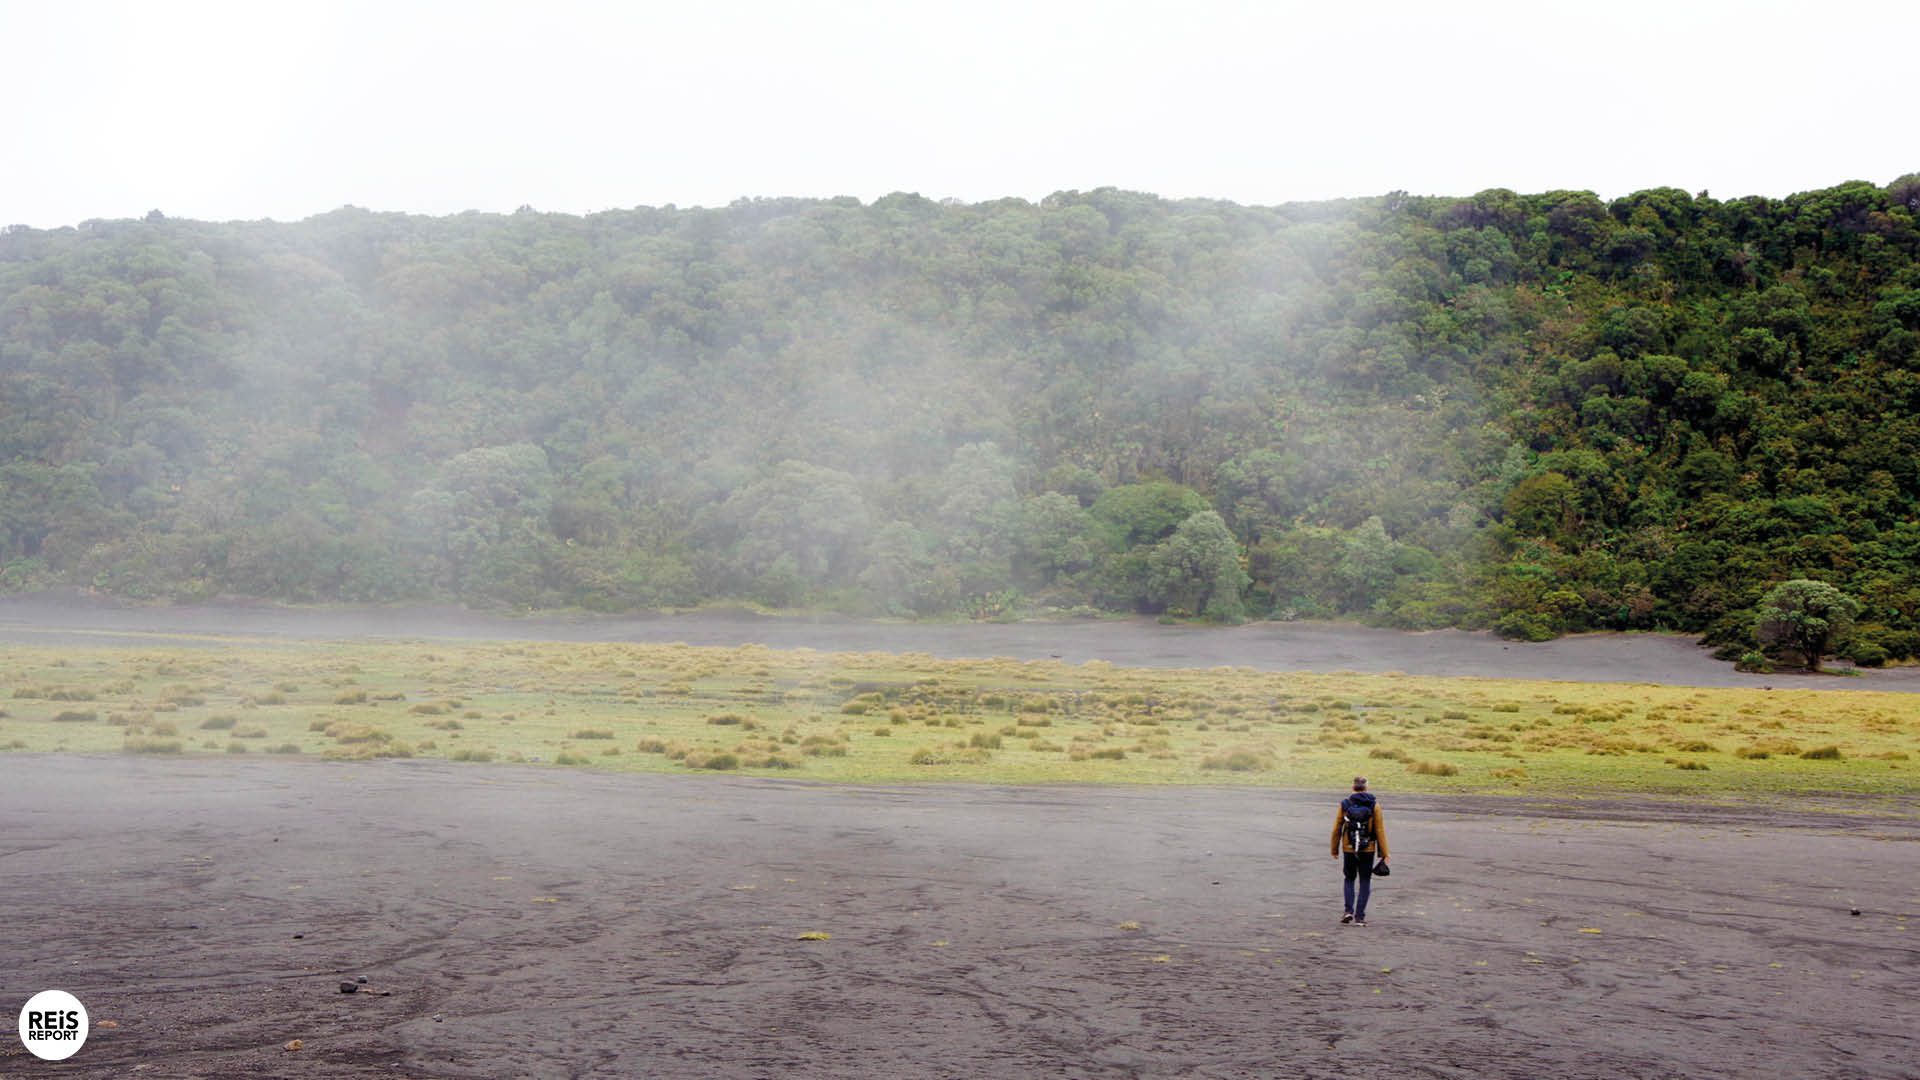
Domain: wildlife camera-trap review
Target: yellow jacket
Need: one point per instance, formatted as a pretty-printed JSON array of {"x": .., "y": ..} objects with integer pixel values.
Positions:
[{"x": 1339, "y": 844}]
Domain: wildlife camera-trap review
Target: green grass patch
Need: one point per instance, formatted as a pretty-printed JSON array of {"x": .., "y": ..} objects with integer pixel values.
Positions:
[{"x": 921, "y": 719}]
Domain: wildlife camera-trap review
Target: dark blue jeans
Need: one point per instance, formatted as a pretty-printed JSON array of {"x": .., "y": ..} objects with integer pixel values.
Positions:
[{"x": 1358, "y": 864}]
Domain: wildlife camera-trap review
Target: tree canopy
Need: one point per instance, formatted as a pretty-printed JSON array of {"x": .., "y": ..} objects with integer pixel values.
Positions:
[{"x": 1537, "y": 413}]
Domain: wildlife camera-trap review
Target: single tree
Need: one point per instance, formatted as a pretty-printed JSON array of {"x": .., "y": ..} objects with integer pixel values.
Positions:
[
  {"x": 1197, "y": 570},
  {"x": 1805, "y": 616}
]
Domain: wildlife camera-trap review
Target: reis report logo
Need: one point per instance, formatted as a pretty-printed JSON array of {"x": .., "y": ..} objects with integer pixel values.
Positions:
[{"x": 53, "y": 1025}]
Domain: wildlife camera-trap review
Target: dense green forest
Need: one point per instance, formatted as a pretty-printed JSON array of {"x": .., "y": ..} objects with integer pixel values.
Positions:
[{"x": 1534, "y": 413}]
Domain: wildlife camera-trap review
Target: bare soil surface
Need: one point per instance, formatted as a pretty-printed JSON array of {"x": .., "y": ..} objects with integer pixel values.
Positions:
[
  {"x": 543, "y": 922},
  {"x": 1667, "y": 659}
]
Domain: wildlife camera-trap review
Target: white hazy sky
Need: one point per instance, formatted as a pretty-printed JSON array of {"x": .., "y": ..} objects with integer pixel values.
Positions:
[{"x": 284, "y": 109}]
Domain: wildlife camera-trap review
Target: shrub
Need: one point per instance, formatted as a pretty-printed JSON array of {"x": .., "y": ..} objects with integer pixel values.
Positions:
[
  {"x": 1433, "y": 768},
  {"x": 1822, "y": 753},
  {"x": 591, "y": 733},
  {"x": 351, "y": 697},
  {"x": 564, "y": 758},
  {"x": 1692, "y": 766},
  {"x": 720, "y": 762},
  {"x": 236, "y": 748},
  {"x": 1387, "y": 752},
  {"x": 75, "y": 716},
  {"x": 984, "y": 741},
  {"x": 218, "y": 723},
  {"x": 470, "y": 755},
  {"x": 651, "y": 745},
  {"x": 251, "y": 731},
  {"x": 284, "y": 748},
  {"x": 1867, "y": 654},
  {"x": 428, "y": 708}
]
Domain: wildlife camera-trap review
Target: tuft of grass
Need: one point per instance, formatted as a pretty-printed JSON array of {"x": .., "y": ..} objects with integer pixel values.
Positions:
[
  {"x": 75, "y": 716},
  {"x": 1236, "y": 761},
  {"x": 591, "y": 733},
  {"x": 950, "y": 755},
  {"x": 218, "y": 723},
  {"x": 470, "y": 755},
  {"x": 1433, "y": 768},
  {"x": 142, "y": 744},
  {"x": 564, "y": 758},
  {"x": 1822, "y": 753}
]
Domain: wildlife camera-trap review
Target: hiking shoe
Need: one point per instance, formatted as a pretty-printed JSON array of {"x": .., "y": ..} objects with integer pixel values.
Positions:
[
  {"x": 1347, "y": 918},
  {"x": 1359, "y": 922}
]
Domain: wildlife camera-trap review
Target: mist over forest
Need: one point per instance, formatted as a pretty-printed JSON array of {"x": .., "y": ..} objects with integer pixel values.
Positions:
[{"x": 1532, "y": 413}]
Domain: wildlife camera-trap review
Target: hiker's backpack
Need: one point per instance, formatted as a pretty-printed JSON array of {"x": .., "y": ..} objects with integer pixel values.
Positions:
[{"x": 1356, "y": 823}]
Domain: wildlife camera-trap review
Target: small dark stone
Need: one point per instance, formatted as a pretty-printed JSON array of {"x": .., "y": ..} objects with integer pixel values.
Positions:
[
  {"x": 1856, "y": 911},
  {"x": 297, "y": 937},
  {"x": 349, "y": 988},
  {"x": 360, "y": 979},
  {"x": 193, "y": 926},
  {"x": 436, "y": 1019},
  {"x": 1216, "y": 883}
]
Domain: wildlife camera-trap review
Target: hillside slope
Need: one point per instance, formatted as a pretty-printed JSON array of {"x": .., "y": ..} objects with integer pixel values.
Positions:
[{"x": 1539, "y": 413}]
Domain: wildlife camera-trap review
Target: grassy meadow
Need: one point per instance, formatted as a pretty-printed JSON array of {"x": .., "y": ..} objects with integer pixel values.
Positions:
[{"x": 887, "y": 718}]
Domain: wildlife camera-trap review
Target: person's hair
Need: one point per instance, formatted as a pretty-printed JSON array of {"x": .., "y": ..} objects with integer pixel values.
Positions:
[{"x": 1359, "y": 783}]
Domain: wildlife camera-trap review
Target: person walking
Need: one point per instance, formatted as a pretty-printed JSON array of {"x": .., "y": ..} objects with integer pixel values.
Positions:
[{"x": 1359, "y": 836}]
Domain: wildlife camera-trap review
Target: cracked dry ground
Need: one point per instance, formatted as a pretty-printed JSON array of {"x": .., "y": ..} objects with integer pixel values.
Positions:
[{"x": 548, "y": 922}]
